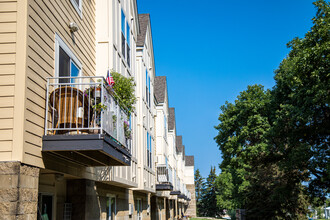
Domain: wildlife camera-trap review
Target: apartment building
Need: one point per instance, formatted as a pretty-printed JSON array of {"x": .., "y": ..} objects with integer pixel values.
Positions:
[
  {"x": 68, "y": 148},
  {"x": 172, "y": 197}
]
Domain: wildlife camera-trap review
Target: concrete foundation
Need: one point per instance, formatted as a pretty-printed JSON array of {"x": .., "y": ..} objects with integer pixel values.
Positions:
[
  {"x": 18, "y": 191},
  {"x": 191, "y": 210}
]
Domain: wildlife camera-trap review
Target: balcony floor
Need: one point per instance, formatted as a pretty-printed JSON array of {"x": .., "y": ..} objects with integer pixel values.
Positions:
[
  {"x": 87, "y": 149},
  {"x": 164, "y": 186}
]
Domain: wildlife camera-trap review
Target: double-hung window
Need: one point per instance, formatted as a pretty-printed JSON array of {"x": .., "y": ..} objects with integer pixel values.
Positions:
[
  {"x": 165, "y": 127},
  {"x": 148, "y": 88},
  {"x": 67, "y": 64},
  {"x": 149, "y": 150},
  {"x": 125, "y": 38},
  {"x": 111, "y": 208}
]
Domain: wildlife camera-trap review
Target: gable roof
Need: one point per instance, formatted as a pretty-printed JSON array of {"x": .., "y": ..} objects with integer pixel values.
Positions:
[
  {"x": 178, "y": 144},
  {"x": 160, "y": 88},
  {"x": 190, "y": 161},
  {"x": 144, "y": 20},
  {"x": 171, "y": 119}
]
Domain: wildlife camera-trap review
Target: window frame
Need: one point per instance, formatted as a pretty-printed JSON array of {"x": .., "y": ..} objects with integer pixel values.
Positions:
[
  {"x": 60, "y": 43},
  {"x": 125, "y": 37},
  {"x": 79, "y": 7},
  {"x": 109, "y": 197}
]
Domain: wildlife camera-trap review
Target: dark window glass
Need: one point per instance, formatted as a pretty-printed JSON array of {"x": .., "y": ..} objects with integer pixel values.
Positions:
[
  {"x": 123, "y": 44},
  {"x": 64, "y": 66},
  {"x": 128, "y": 55},
  {"x": 128, "y": 32},
  {"x": 45, "y": 206}
]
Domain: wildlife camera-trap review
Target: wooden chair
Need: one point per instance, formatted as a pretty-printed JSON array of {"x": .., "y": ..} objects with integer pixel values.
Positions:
[{"x": 66, "y": 103}]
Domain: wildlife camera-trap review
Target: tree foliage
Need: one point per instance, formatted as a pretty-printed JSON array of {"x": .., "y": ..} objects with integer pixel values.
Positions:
[
  {"x": 209, "y": 193},
  {"x": 273, "y": 141},
  {"x": 301, "y": 99},
  {"x": 199, "y": 185}
]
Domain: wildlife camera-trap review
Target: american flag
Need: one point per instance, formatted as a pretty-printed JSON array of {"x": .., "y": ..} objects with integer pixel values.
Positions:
[{"x": 109, "y": 79}]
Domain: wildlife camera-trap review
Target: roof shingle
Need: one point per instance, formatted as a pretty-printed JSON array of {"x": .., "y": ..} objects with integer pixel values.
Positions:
[
  {"x": 190, "y": 161},
  {"x": 178, "y": 144},
  {"x": 160, "y": 88},
  {"x": 171, "y": 120},
  {"x": 144, "y": 20}
]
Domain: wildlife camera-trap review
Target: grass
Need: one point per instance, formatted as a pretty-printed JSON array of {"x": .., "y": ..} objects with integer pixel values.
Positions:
[{"x": 204, "y": 218}]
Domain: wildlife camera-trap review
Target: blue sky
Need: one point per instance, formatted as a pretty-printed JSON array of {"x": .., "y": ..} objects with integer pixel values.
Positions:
[{"x": 211, "y": 50}]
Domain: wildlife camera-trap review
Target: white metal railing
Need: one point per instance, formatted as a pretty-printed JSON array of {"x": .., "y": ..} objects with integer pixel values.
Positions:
[
  {"x": 170, "y": 175},
  {"x": 178, "y": 184},
  {"x": 164, "y": 174},
  {"x": 85, "y": 105}
]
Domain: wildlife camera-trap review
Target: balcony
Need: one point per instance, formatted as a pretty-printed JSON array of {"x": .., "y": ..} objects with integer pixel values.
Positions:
[
  {"x": 164, "y": 178},
  {"x": 86, "y": 123},
  {"x": 176, "y": 190}
]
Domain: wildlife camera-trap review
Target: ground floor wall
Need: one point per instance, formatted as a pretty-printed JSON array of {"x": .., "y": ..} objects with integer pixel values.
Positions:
[
  {"x": 18, "y": 191},
  {"x": 87, "y": 199},
  {"x": 191, "y": 209},
  {"x": 28, "y": 192}
]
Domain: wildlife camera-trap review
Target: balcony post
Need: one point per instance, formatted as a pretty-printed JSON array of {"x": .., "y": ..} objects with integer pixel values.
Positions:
[{"x": 47, "y": 103}]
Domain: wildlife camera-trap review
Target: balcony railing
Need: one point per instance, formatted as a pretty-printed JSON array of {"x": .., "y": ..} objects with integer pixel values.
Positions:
[
  {"x": 86, "y": 123},
  {"x": 85, "y": 105},
  {"x": 178, "y": 185},
  {"x": 163, "y": 174}
]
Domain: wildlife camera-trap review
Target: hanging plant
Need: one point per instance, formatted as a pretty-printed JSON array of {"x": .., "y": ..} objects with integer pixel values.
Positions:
[{"x": 124, "y": 88}]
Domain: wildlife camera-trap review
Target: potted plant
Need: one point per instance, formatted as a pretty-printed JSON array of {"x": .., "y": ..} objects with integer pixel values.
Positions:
[{"x": 127, "y": 130}]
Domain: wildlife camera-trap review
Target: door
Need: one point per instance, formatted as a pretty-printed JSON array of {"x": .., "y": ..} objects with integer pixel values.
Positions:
[
  {"x": 111, "y": 208},
  {"x": 45, "y": 207},
  {"x": 139, "y": 209}
]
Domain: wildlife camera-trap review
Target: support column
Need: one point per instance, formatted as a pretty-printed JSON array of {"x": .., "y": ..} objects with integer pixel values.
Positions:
[
  {"x": 191, "y": 210},
  {"x": 83, "y": 195},
  {"x": 18, "y": 191}
]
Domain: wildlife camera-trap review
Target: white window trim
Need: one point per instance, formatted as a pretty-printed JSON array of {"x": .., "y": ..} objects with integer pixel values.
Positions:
[
  {"x": 78, "y": 7},
  {"x": 60, "y": 43}
]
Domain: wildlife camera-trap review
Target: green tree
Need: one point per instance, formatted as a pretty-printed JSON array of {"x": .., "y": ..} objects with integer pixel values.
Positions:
[
  {"x": 273, "y": 141},
  {"x": 209, "y": 194},
  {"x": 199, "y": 185},
  {"x": 251, "y": 178},
  {"x": 301, "y": 99}
]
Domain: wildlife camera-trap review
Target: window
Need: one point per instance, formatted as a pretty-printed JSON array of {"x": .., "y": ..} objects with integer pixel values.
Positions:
[
  {"x": 77, "y": 4},
  {"x": 125, "y": 38},
  {"x": 150, "y": 146},
  {"x": 45, "y": 206},
  {"x": 148, "y": 88},
  {"x": 149, "y": 150},
  {"x": 66, "y": 63},
  {"x": 139, "y": 209},
  {"x": 111, "y": 208},
  {"x": 165, "y": 126}
]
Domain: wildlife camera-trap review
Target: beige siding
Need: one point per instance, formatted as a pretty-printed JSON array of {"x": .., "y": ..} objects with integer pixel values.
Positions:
[
  {"x": 8, "y": 12},
  {"x": 45, "y": 18}
]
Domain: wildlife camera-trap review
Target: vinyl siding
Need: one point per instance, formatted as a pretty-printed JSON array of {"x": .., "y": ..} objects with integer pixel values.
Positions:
[
  {"x": 8, "y": 26},
  {"x": 45, "y": 18}
]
